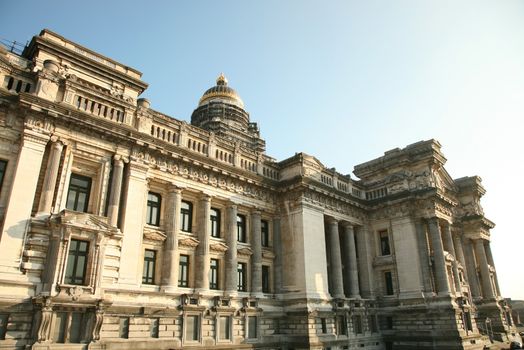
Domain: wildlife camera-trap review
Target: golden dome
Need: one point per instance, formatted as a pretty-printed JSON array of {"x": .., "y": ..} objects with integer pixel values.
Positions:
[{"x": 221, "y": 93}]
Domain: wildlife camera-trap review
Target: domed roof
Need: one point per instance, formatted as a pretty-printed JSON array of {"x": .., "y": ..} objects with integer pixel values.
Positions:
[{"x": 221, "y": 93}]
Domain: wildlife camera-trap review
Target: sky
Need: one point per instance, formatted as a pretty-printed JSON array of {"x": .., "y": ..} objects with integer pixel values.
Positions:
[{"x": 341, "y": 80}]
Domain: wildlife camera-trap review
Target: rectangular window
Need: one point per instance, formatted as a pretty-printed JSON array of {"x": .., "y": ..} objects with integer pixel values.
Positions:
[
  {"x": 215, "y": 222},
  {"x": 388, "y": 278},
  {"x": 148, "y": 275},
  {"x": 342, "y": 328},
  {"x": 3, "y": 167},
  {"x": 224, "y": 328},
  {"x": 252, "y": 327},
  {"x": 153, "y": 327},
  {"x": 78, "y": 193},
  {"x": 372, "y": 320},
  {"x": 213, "y": 274},
  {"x": 265, "y": 279},
  {"x": 76, "y": 262},
  {"x": 183, "y": 271},
  {"x": 242, "y": 274},
  {"x": 192, "y": 327},
  {"x": 384, "y": 243},
  {"x": 186, "y": 216},
  {"x": 4, "y": 319},
  {"x": 58, "y": 335},
  {"x": 323, "y": 325},
  {"x": 123, "y": 327},
  {"x": 469, "y": 324},
  {"x": 264, "y": 228},
  {"x": 154, "y": 201},
  {"x": 241, "y": 228},
  {"x": 389, "y": 322},
  {"x": 357, "y": 324},
  {"x": 76, "y": 327}
]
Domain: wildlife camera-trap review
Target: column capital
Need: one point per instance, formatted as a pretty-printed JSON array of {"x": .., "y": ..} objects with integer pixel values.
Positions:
[
  {"x": 205, "y": 197},
  {"x": 256, "y": 212},
  {"x": 347, "y": 225},
  {"x": 331, "y": 220},
  {"x": 232, "y": 205}
]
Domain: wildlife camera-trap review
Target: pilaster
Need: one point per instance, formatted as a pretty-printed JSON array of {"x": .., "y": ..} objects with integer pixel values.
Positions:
[
  {"x": 48, "y": 188},
  {"x": 172, "y": 225},
  {"x": 202, "y": 250},
  {"x": 231, "y": 254},
  {"x": 256, "y": 258}
]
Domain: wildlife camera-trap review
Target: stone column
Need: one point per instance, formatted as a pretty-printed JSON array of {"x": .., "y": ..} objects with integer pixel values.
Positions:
[
  {"x": 256, "y": 258},
  {"x": 423, "y": 250},
  {"x": 473, "y": 281},
  {"x": 336, "y": 260},
  {"x": 365, "y": 258},
  {"x": 491, "y": 262},
  {"x": 351, "y": 260},
  {"x": 22, "y": 193},
  {"x": 441, "y": 275},
  {"x": 231, "y": 254},
  {"x": 48, "y": 187},
  {"x": 482, "y": 261},
  {"x": 202, "y": 250},
  {"x": 116, "y": 188},
  {"x": 459, "y": 251},
  {"x": 277, "y": 246},
  {"x": 172, "y": 225},
  {"x": 448, "y": 246}
]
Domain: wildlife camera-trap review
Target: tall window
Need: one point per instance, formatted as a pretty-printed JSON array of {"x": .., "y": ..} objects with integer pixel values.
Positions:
[
  {"x": 183, "y": 270},
  {"x": 123, "y": 327},
  {"x": 4, "y": 319},
  {"x": 241, "y": 228},
  {"x": 186, "y": 216},
  {"x": 148, "y": 275},
  {"x": 341, "y": 324},
  {"x": 388, "y": 278},
  {"x": 192, "y": 327},
  {"x": 265, "y": 279},
  {"x": 76, "y": 262},
  {"x": 215, "y": 222},
  {"x": 384, "y": 243},
  {"x": 213, "y": 274},
  {"x": 357, "y": 324},
  {"x": 153, "y": 209},
  {"x": 242, "y": 274},
  {"x": 3, "y": 166},
  {"x": 78, "y": 193},
  {"x": 153, "y": 327},
  {"x": 252, "y": 327},
  {"x": 264, "y": 227},
  {"x": 372, "y": 321},
  {"x": 224, "y": 325},
  {"x": 68, "y": 327}
]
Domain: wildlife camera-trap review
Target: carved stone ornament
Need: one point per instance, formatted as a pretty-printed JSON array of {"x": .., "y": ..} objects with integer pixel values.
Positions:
[
  {"x": 245, "y": 251},
  {"x": 188, "y": 242},
  {"x": 154, "y": 235},
  {"x": 218, "y": 247}
]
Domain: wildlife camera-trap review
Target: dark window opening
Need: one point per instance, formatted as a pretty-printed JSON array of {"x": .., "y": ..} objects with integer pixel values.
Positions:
[
  {"x": 384, "y": 243},
  {"x": 186, "y": 216},
  {"x": 78, "y": 193},
  {"x": 148, "y": 275},
  {"x": 215, "y": 222},
  {"x": 264, "y": 226},
  {"x": 241, "y": 228},
  {"x": 389, "y": 283},
  {"x": 213, "y": 274},
  {"x": 183, "y": 270},
  {"x": 265, "y": 279},
  {"x": 242, "y": 274},
  {"x": 154, "y": 200},
  {"x": 76, "y": 262}
]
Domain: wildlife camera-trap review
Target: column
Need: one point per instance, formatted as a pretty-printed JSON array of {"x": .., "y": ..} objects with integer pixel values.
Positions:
[
  {"x": 48, "y": 187},
  {"x": 351, "y": 260},
  {"x": 116, "y": 188},
  {"x": 448, "y": 246},
  {"x": 277, "y": 246},
  {"x": 441, "y": 276},
  {"x": 231, "y": 254},
  {"x": 256, "y": 258},
  {"x": 471, "y": 270},
  {"x": 459, "y": 251},
  {"x": 172, "y": 225},
  {"x": 422, "y": 243},
  {"x": 365, "y": 267},
  {"x": 202, "y": 250},
  {"x": 482, "y": 261},
  {"x": 22, "y": 194},
  {"x": 491, "y": 262},
  {"x": 336, "y": 260}
]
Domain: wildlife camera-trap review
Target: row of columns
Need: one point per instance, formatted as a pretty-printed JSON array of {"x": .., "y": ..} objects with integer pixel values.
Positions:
[
  {"x": 472, "y": 254},
  {"x": 350, "y": 259}
]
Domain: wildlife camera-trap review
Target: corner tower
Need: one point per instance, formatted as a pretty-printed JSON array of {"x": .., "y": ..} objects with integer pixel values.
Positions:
[{"x": 221, "y": 110}]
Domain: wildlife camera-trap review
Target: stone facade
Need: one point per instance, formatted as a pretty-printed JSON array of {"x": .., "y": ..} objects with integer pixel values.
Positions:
[{"x": 124, "y": 228}]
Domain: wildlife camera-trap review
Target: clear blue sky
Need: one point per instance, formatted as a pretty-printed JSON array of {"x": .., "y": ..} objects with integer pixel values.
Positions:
[{"x": 341, "y": 80}]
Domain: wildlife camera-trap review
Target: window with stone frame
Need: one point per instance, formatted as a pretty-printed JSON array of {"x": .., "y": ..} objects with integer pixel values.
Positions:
[
  {"x": 148, "y": 274},
  {"x": 224, "y": 327},
  {"x": 242, "y": 277},
  {"x": 183, "y": 271},
  {"x": 154, "y": 201},
  {"x": 191, "y": 328},
  {"x": 186, "y": 216},
  {"x": 357, "y": 324},
  {"x": 68, "y": 327},
  {"x": 123, "y": 327},
  {"x": 341, "y": 324},
  {"x": 4, "y": 319},
  {"x": 388, "y": 283},
  {"x": 77, "y": 259},
  {"x": 213, "y": 274},
  {"x": 385, "y": 248},
  {"x": 241, "y": 228},
  {"x": 372, "y": 323},
  {"x": 264, "y": 228},
  {"x": 252, "y": 324},
  {"x": 78, "y": 193},
  {"x": 154, "y": 327},
  {"x": 266, "y": 288},
  {"x": 215, "y": 222}
]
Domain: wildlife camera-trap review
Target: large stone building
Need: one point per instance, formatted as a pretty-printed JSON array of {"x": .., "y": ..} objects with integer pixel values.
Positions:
[{"x": 124, "y": 228}]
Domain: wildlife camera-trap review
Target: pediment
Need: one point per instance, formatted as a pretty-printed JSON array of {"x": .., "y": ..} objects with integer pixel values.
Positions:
[
  {"x": 154, "y": 235},
  {"x": 83, "y": 221},
  {"x": 188, "y": 242},
  {"x": 443, "y": 180},
  {"x": 218, "y": 247},
  {"x": 268, "y": 254},
  {"x": 245, "y": 251}
]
